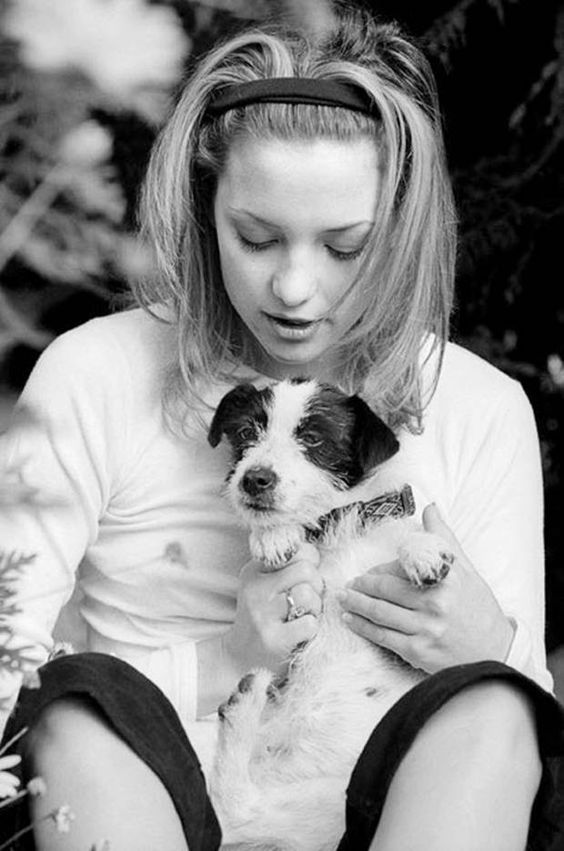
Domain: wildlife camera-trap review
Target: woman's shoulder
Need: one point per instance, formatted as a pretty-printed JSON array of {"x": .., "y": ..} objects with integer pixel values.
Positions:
[
  {"x": 131, "y": 339},
  {"x": 121, "y": 358},
  {"x": 465, "y": 375},
  {"x": 470, "y": 388}
]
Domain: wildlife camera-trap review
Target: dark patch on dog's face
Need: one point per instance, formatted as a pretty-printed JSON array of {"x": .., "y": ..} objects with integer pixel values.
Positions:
[
  {"x": 240, "y": 416},
  {"x": 342, "y": 435},
  {"x": 338, "y": 433},
  {"x": 324, "y": 433},
  {"x": 373, "y": 440}
]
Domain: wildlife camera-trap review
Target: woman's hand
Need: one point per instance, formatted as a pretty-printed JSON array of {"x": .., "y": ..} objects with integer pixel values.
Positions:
[
  {"x": 261, "y": 634},
  {"x": 457, "y": 621}
]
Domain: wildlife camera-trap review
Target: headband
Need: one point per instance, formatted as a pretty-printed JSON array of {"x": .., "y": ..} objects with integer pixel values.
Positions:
[{"x": 293, "y": 90}]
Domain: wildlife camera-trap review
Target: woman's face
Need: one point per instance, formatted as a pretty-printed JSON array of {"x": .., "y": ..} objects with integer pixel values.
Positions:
[{"x": 292, "y": 220}]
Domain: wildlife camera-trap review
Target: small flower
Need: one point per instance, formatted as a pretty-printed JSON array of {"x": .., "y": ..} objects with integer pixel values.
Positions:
[
  {"x": 63, "y": 816},
  {"x": 36, "y": 787},
  {"x": 86, "y": 145}
]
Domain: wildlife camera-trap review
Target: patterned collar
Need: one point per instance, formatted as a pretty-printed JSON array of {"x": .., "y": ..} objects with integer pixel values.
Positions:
[{"x": 390, "y": 505}]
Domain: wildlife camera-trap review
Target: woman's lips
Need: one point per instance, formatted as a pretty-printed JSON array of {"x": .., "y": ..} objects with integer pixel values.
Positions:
[{"x": 293, "y": 329}]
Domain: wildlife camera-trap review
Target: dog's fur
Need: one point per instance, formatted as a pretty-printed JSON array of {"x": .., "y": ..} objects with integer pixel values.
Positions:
[{"x": 286, "y": 750}]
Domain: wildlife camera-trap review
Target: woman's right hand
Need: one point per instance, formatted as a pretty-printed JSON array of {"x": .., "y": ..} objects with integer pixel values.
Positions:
[{"x": 261, "y": 635}]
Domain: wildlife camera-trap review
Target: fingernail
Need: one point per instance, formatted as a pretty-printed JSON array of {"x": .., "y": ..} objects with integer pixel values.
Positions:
[
  {"x": 347, "y": 617},
  {"x": 432, "y": 506}
]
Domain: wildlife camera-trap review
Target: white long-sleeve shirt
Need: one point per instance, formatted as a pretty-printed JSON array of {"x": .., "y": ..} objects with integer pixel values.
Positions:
[{"x": 136, "y": 515}]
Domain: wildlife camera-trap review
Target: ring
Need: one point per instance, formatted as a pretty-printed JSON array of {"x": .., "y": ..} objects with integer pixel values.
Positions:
[{"x": 294, "y": 612}]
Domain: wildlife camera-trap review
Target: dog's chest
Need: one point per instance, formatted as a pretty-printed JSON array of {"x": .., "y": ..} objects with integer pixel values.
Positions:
[{"x": 351, "y": 549}]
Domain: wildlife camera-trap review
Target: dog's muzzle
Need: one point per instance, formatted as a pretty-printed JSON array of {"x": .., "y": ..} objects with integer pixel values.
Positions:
[
  {"x": 258, "y": 484},
  {"x": 258, "y": 481}
]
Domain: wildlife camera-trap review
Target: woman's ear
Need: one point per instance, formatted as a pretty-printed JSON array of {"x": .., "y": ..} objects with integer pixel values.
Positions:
[{"x": 373, "y": 441}]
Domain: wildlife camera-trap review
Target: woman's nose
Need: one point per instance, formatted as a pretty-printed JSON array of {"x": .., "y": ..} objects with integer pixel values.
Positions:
[{"x": 295, "y": 282}]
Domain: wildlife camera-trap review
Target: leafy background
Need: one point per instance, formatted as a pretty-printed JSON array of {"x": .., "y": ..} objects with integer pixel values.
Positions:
[{"x": 84, "y": 87}]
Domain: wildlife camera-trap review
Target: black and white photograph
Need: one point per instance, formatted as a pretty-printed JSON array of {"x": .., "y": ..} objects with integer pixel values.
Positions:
[{"x": 281, "y": 425}]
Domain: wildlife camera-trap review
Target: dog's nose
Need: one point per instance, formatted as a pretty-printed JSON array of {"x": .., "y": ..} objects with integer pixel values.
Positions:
[{"x": 257, "y": 480}]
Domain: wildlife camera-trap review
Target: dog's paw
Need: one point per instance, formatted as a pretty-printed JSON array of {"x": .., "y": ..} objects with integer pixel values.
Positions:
[
  {"x": 425, "y": 558},
  {"x": 246, "y": 703}
]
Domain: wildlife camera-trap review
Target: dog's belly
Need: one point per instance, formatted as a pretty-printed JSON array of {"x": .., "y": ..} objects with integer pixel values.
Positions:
[
  {"x": 339, "y": 688},
  {"x": 306, "y": 740}
]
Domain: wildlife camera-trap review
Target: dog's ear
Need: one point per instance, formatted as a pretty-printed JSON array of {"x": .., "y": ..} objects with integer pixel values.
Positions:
[
  {"x": 230, "y": 407},
  {"x": 373, "y": 441}
]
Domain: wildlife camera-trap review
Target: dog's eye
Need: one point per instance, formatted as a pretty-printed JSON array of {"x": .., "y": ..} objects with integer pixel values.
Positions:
[
  {"x": 246, "y": 432},
  {"x": 310, "y": 438}
]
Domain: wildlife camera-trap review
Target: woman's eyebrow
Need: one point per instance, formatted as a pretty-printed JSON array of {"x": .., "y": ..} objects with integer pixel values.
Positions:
[
  {"x": 365, "y": 222},
  {"x": 247, "y": 214},
  {"x": 340, "y": 229}
]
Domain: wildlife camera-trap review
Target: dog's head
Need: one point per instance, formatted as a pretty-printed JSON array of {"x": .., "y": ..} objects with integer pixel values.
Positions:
[{"x": 295, "y": 444}]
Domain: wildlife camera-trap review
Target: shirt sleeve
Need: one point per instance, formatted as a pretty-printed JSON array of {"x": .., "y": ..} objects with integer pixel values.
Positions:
[
  {"x": 78, "y": 424},
  {"x": 58, "y": 458},
  {"x": 497, "y": 514}
]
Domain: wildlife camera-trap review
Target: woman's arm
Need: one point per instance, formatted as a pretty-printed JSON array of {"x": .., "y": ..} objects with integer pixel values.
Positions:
[
  {"x": 455, "y": 622},
  {"x": 58, "y": 454},
  {"x": 491, "y": 606}
]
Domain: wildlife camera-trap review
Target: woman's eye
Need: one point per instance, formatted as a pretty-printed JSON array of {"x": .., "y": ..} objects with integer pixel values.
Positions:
[
  {"x": 345, "y": 255},
  {"x": 246, "y": 433},
  {"x": 252, "y": 246}
]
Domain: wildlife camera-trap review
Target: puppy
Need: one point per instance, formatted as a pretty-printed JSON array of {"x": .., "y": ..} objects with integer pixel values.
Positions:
[{"x": 305, "y": 458}]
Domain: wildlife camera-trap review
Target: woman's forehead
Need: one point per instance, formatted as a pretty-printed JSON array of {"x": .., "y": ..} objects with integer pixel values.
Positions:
[{"x": 334, "y": 180}]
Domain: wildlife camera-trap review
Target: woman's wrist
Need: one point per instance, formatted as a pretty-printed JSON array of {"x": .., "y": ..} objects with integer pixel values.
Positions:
[{"x": 218, "y": 673}]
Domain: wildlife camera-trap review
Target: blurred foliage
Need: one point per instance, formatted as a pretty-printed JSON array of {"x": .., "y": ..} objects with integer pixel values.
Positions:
[{"x": 83, "y": 94}]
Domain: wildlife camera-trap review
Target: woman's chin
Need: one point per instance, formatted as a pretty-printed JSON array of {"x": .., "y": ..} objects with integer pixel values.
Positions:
[{"x": 283, "y": 364}]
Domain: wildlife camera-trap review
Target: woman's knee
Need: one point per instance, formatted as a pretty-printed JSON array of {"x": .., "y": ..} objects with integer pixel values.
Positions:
[
  {"x": 497, "y": 720},
  {"x": 69, "y": 729},
  {"x": 89, "y": 767},
  {"x": 472, "y": 772}
]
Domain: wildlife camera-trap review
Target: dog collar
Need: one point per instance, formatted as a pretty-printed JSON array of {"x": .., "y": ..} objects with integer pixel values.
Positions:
[{"x": 390, "y": 505}]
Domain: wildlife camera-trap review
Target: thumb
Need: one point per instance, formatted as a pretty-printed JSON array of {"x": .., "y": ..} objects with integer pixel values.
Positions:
[{"x": 433, "y": 522}]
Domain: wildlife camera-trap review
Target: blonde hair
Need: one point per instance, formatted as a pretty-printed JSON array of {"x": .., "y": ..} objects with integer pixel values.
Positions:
[{"x": 404, "y": 287}]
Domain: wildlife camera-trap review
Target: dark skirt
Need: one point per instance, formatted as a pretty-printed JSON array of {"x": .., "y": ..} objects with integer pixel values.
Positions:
[{"x": 145, "y": 719}]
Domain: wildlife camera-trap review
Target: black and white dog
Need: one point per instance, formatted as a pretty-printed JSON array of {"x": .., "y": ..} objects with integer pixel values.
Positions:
[{"x": 305, "y": 458}]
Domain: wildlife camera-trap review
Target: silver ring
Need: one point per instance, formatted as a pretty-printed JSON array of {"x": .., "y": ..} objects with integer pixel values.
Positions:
[{"x": 294, "y": 612}]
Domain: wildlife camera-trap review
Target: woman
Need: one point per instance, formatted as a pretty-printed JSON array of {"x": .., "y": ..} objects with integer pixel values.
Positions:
[{"x": 301, "y": 225}]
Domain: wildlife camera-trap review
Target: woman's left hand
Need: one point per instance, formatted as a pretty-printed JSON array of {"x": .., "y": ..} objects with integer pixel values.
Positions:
[{"x": 457, "y": 621}]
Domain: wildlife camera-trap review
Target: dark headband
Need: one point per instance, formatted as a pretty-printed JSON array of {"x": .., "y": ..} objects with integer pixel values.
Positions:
[{"x": 293, "y": 90}]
